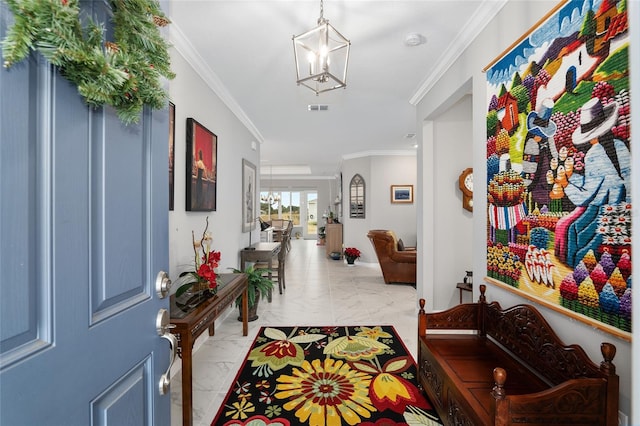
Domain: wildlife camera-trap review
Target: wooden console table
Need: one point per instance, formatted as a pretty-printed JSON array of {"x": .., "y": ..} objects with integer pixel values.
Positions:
[
  {"x": 334, "y": 238},
  {"x": 464, "y": 287},
  {"x": 191, "y": 321}
]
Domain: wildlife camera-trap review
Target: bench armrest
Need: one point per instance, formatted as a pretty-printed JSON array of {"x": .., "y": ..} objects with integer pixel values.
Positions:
[{"x": 558, "y": 402}]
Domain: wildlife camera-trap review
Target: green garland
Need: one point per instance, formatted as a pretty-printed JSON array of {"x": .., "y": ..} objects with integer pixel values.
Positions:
[{"x": 125, "y": 73}]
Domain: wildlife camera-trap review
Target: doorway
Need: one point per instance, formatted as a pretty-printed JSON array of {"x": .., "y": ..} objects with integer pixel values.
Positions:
[{"x": 310, "y": 215}]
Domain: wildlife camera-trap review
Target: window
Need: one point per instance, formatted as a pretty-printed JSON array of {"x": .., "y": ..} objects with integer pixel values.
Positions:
[
  {"x": 356, "y": 197},
  {"x": 280, "y": 205}
]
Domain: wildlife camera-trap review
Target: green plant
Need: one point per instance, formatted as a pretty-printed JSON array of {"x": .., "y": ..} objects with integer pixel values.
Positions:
[
  {"x": 321, "y": 232},
  {"x": 124, "y": 68},
  {"x": 259, "y": 284}
]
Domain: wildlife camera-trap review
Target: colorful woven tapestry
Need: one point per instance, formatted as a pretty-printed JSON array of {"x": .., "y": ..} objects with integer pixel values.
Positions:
[
  {"x": 327, "y": 376},
  {"x": 559, "y": 165}
]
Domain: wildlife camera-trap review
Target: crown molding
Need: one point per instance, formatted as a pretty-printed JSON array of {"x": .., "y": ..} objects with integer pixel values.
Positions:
[
  {"x": 379, "y": 153},
  {"x": 297, "y": 177},
  {"x": 184, "y": 47},
  {"x": 472, "y": 29}
]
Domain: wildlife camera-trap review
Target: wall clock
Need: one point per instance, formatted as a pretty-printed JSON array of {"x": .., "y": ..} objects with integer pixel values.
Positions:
[{"x": 465, "y": 181}]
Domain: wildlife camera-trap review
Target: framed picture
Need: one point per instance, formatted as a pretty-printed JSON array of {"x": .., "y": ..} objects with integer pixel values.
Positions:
[
  {"x": 202, "y": 153},
  {"x": 559, "y": 166},
  {"x": 402, "y": 194},
  {"x": 249, "y": 213},
  {"x": 172, "y": 154}
]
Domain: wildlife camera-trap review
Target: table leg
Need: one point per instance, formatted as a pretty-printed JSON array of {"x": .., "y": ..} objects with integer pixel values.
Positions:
[
  {"x": 270, "y": 274},
  {"x": 245, "y": 312},
  {"x": 187, "y": 371}
]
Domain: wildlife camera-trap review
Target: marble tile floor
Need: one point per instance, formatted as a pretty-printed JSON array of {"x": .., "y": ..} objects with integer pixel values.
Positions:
[{"x": 320, "y": 291}]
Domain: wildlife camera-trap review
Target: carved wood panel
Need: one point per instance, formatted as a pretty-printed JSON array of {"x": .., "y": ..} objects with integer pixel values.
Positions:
[{"x": 524, "y": 332}]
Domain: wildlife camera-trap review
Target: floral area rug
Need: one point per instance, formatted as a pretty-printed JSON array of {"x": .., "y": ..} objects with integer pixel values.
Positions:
[{"x": 327, "y": 376}]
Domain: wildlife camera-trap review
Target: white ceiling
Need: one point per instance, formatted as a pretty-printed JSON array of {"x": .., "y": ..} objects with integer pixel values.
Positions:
[{"x": 244, "y": 50}]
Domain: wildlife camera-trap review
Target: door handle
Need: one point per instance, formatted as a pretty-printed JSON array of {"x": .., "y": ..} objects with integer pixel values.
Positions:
[
  {"x": 165, "y": 379},
  {"x": 163, "y": 284},
  {"x": 163, "y": 327}
]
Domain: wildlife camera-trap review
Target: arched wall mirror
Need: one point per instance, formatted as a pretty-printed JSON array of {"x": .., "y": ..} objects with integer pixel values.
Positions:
[{"x": 356, "y": 197}]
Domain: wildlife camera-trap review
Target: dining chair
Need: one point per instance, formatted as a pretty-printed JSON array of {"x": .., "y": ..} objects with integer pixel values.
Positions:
[
  {"x": 289, "y": 232},
  {"x": 278, "y": 272},
  {"x": 282, "y": 256},
  {"x": 279, "y": 225}
]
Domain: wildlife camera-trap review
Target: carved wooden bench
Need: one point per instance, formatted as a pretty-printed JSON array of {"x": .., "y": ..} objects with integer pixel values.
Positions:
[{"x": 482, "y": 365}]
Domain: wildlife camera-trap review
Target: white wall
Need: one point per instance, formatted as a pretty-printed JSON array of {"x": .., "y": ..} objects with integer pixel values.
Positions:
[
  {"x": 379, "y": 173},
  {"x": 454, "y": 225},
  {"x": 354, "y": 231},
  {"x": 512, "y": 21},
  {"x": 193, "y": 98}
]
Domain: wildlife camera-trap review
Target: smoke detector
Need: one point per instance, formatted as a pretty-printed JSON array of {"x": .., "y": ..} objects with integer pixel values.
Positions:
[{"x": 414, "y": 39}]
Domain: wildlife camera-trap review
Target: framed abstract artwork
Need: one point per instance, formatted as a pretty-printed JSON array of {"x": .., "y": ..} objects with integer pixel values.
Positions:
[
  {"x": 249, "y": 209},
  {"x": 402, "y": 194},
  {"x": 201, "y": 168},
  {"x": 172, "y": 154},
  {"x": 559, "y": 166}
]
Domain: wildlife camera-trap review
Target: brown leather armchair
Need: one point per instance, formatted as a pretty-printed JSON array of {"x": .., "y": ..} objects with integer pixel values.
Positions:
[{"x": 397, "y": 266}]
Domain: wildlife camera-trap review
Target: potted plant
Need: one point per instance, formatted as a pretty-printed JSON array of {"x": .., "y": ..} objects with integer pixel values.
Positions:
[
  {"x": 202, "y": 279},
  {"x": 351, "y": 254},
  {"x": 322, "y": 234},
  {"x": 259, "y": 287}
]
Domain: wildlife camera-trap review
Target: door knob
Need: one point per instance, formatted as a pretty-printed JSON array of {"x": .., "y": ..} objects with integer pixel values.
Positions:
[
  {"x": 163, "y": 284},
  {"x": 162, "y": 327}
]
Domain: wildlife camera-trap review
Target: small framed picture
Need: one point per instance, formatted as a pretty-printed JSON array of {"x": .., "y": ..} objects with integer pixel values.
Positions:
[
  {"x": 402, "y": 194},
  {"x": 249, "y": 213}
]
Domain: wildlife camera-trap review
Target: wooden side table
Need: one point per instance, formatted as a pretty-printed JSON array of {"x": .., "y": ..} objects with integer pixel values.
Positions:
[
  {"x": 464, "y": 287},
  {"x": 191, "y": 321}
]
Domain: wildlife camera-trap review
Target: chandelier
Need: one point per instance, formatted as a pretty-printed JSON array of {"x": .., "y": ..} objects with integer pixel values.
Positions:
[
  {"x": 322, "y": 55},
  {"x": 271, "y": 197}
]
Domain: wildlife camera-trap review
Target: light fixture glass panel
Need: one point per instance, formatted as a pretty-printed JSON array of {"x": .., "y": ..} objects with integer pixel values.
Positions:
[{"x": 322, "y": 56}]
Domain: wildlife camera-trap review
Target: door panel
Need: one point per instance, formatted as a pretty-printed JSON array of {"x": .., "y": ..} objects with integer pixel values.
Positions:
[
  {"x": 24, "y": 215},
  {"x": 83, "y": 234},
  {"x": 119, "y": 404},
  {"x": 121, "y": 219}
]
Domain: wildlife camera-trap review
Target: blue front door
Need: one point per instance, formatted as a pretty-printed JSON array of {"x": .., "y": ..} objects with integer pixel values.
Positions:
[{"x": 83, "y": 236}]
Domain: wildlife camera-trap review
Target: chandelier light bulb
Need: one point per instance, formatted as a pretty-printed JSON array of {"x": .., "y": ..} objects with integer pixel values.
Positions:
[{"x": 312, "y": 63}]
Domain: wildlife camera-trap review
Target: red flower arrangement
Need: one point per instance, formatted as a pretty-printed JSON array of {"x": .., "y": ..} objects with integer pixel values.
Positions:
[
  {"x": 206, "y": 260},
  {"x": 352, "y": 252}
]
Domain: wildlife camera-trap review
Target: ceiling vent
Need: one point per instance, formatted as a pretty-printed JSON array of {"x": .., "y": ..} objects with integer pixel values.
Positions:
[{"x": 317, "y": 107}]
